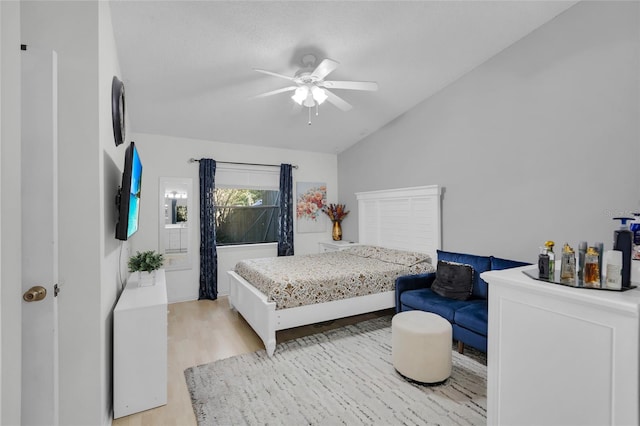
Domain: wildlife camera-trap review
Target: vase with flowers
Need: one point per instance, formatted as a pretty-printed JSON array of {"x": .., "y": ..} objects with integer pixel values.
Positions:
[{"x": 336, "y": 213}]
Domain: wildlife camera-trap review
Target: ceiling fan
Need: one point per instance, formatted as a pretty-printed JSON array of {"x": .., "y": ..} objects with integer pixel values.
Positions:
[{"x": 311, "y": 88}]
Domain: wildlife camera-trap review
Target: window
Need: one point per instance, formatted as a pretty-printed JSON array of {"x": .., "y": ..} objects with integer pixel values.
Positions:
[{"x": 246, "y": 216}]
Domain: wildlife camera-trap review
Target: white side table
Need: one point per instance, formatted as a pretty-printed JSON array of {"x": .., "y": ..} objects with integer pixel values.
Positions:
[
  {"x": 140, "y": 347},
  {"x": 327, "y": 246}
]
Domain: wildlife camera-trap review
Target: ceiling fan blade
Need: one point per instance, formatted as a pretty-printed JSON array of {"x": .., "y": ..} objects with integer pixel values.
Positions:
[
  {"x": 325, "y": 67},
  {"x": 275, "y": 92},
  {"x": 275, "y": 74},
  {"x": 338, "y": 101},
  {"x": 351, "y": 85}
]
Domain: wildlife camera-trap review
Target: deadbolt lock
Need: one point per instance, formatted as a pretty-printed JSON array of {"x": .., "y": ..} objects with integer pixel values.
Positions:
[{"x": 34, "y": 294}]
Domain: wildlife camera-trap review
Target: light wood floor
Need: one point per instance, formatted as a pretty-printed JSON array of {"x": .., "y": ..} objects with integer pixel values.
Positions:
[{"x": 204, "y": 331}]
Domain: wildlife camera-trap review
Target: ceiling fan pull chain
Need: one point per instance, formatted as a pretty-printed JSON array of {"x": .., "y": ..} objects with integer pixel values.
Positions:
[
  {"x": 317, "y": 109},
  {"x": 309, "y": 116}
]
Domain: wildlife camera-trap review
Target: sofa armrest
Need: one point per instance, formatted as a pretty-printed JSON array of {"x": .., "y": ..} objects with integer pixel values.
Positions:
[{"x": 412, "y": 282}]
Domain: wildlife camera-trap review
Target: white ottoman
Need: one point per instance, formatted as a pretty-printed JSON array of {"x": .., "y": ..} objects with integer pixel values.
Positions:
[{"x": 421, "y": 346}]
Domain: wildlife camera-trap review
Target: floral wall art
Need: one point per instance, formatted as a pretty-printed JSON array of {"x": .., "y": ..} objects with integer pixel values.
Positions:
[{"x": 311, "y": 197}]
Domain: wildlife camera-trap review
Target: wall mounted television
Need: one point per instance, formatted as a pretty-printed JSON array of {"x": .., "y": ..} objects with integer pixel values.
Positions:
[{"x": 128, "y": 197}]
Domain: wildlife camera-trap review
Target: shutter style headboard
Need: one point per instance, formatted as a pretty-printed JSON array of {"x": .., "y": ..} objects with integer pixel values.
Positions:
[{"x": 404, "y": 218}]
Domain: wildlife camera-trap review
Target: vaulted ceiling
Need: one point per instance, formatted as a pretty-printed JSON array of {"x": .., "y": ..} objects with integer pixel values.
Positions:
[{"x": 188, "y": 66}]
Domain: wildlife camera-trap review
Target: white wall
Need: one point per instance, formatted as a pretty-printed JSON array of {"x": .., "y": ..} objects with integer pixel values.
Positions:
[
  {"x": 540, "y": 142},
  {"x": 88, "y": 165},
  {"x": 10, "y": 215},
  {"x": 110, "y": 165},
  {"x": 165, "y": 156}
]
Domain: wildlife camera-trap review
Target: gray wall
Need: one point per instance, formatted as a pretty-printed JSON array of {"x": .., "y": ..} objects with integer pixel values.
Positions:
[{"x": 540, "y": 142}]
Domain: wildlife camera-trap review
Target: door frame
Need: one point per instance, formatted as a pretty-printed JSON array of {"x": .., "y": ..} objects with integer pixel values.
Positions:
[{"x": 10, "y": 215}]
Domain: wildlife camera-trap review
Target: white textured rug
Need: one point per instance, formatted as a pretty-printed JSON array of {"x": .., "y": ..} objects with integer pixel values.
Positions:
[{"x": 343, "y": 376}]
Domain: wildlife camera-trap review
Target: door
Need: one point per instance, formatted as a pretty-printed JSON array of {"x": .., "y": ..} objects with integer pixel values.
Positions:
[{"x": 39, "y": 238}]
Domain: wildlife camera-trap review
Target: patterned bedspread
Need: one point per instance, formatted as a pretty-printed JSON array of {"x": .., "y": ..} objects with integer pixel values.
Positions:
[{"x": 292, "y": 281}]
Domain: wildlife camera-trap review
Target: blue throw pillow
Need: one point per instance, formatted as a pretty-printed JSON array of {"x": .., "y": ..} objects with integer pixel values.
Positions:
[{"x": 453, "y": 280}]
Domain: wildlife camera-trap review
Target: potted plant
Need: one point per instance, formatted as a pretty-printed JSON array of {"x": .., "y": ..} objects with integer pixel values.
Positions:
[{"x": 146, "y": 263}]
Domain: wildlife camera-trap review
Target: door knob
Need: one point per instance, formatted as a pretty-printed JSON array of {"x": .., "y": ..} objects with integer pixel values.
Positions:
[{"x": 34, "y": 294}]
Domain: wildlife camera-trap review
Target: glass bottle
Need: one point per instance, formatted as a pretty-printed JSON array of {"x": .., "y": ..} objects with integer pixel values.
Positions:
[
  {"x": 552, "y": 259},
  {"x": 543, "y": 264},
  {"x": 582, "y": 252},
  {"x": 568, "y": 264},
  {"x": 591, "y": 269}
]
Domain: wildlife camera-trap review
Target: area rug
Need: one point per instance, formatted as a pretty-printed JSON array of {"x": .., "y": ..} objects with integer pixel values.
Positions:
[{"x": 343, "y": 376}]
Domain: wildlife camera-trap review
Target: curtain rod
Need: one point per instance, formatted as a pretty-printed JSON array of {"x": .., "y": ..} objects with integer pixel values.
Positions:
[{"x": 196, "y": 160}]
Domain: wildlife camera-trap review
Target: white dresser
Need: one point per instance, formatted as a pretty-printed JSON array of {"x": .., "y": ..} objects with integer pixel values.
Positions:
[
  {"x": 140, "y": 347},
  {"x": 327, "y": 246},
  {"x": 559, "y": 355}
]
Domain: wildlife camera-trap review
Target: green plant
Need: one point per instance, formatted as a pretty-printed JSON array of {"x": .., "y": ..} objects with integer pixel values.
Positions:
[{"x": 146, "y": 261}]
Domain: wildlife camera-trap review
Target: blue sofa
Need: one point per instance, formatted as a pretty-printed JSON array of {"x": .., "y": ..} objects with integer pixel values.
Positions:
[{"x": 468, "y": 317}]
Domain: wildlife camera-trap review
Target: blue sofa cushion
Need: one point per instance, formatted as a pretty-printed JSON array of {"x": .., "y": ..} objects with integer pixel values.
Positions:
[
  {"x": 425, "y": 299},
  {"x": 499, "y": 264},
  {"x": 479, "y": 264},
  {"x": 473, "y": 317},
  {"x": 453, "y": 280}
]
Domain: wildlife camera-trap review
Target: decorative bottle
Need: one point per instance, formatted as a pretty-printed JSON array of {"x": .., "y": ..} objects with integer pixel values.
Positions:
[
  {"x": 591, "y": 270},
  {"x": 552, "y": 259},
  {"x": 623, "y": 241},
  {"x": 582, "y": 252},
  {"x": 634, "y": 227},
  {"x": 568, "y": 264},
  {"x": 613, "y": 278},
  {"x": 600, "y": 249},
  {"x": 543, "y": 264}
]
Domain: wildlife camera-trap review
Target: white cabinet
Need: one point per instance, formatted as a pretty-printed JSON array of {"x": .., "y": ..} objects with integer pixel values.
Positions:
[
  {"x": 559, "y": 355},
  {"x": 140, "y": 347},
  {"x": 327, "y": 246}
]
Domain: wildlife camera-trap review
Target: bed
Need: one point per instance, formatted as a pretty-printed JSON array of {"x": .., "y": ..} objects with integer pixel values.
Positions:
[{"x": 399, "y": 230}]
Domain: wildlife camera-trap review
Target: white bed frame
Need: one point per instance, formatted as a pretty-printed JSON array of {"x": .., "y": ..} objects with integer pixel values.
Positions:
[{"x": 405, "y": 219}]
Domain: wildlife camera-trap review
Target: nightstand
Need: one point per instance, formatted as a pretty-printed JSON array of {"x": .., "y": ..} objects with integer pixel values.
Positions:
[{"x": 327, "y": 246}]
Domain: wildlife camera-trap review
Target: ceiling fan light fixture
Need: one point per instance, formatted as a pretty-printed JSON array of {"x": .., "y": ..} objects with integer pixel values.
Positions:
[
  {"x": 311, "y": 89},
  {"x": 309, "y": 102},
  {"x": 319, "y": 94},
  {"x": 300, "y": 95}
]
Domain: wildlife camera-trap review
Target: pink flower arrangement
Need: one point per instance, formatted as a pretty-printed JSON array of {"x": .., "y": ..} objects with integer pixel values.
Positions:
[
  {"x": 336, "y": 212},
  {"x": 311, "y": 203}
]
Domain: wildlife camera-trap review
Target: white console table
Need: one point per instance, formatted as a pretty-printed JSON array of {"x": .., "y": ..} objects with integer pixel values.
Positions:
[
  {"x": 140, "y": 347},
  {"x": 559, "y": 355}
]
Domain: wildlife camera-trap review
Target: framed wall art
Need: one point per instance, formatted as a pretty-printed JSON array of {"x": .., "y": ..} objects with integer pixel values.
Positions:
[{"x": 311, "y": 197}]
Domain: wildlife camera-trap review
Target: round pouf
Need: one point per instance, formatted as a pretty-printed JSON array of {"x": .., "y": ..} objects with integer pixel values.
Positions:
[{"x": 421, "y": 346}]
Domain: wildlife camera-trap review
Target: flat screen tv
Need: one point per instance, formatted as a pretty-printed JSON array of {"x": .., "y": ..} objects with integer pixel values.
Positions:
[{"x": 128, "y": 198}]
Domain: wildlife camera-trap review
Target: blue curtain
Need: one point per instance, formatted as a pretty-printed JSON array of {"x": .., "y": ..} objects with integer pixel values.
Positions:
[
  {"x": 208, "y": 254},
  {"x": 285, "y": 227}
]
